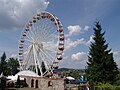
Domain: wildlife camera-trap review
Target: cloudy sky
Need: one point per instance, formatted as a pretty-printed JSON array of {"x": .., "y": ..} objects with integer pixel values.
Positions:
[{"x": 78, "y": 18}]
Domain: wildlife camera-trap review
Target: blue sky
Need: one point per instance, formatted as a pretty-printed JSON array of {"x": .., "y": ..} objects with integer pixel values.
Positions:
[{"x": 78, "y": 18}]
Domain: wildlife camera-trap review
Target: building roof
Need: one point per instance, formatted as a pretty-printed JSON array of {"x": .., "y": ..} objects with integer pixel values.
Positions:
[
  {"x": 22, "y": 73},
  {"x": 27, "y": 73}
]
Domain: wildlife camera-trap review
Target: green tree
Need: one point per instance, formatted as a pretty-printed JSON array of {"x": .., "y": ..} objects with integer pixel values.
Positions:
[
  {"x": 13, "y": 66},
  {"x": 75, "y": 74},
  {"x": 3, "y": 64},
  {"x": 101, "y": 65},
  {"x": 43, "y": 67}
]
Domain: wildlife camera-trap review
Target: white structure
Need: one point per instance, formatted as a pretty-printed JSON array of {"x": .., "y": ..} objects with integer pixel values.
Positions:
[
  {"x": 41, "y": 44},
  {"x": 27, "y": 73},
  {"x": 70, "y": 78}
]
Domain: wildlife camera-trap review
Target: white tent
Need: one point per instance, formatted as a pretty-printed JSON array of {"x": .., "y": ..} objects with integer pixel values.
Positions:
[
  {"x": 70, "y": 78},
  {"x": 22, "y": 73},
  {"x": 27, "y": 73},
  {"x": 14, "y": 78}
]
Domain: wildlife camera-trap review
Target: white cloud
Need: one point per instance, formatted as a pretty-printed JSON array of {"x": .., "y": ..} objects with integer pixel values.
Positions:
[
  {"x": 90, "y": 40},
  {"x": 86, "y": 28},
  {"x": 79, "y": 56},
  {"x": 14, "y": 55},
  {"x": 116, "y": 52},
  {"x": 74, "y": 30},
  {"x": 71, "y": 44},
  {"x": 67, "y": 62},
  {"x": 15, "y": 13}
]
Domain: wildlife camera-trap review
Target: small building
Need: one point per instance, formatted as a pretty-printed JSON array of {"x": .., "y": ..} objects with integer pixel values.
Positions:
[{"x": 43, "y": 83}]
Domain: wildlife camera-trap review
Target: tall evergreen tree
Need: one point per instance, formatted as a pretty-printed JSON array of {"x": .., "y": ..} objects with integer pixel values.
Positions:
[
  {"x": 3, "y": 64},
  {"x": 101, "y": 65}
]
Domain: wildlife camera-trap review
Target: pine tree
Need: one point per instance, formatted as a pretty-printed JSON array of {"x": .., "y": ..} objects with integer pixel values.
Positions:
[
  {"x": 3, "y": 64},
  {"x": 101, "y": 65}
]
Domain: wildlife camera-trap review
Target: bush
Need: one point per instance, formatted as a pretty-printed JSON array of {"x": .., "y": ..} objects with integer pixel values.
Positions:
[{"x": 106, "y": 86}]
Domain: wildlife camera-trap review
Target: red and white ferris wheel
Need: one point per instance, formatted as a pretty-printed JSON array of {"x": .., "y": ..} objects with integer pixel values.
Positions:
[{"x": 41, "y": 42}]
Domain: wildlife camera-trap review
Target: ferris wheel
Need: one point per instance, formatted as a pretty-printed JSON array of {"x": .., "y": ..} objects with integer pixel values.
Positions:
[{"x": 41, "y": 44}]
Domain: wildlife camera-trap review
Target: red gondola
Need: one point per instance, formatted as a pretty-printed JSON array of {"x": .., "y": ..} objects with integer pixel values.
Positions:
[
  {"x": 58, "y": 23},
  {"x": 34, "y": 19},
  {"x": 61, "y": 34},
  {"x": 55, "y": 67},
  {"x": 60, "y": 30},
  {"x": 48, "y": 16},
  {"x": 42, "y": 16},
  {"x": 38, "y": 14},
  {"x": 24, "y": 34},
  {"x": 27, "y": 29},
  {"x": 22, "y": 41},
  {"x": 60, "y": 26},
  {"x": 62, "y": 39},
  {"x": 38, "y": 18},
  {"x": 20, "y": 53},
  {"x": 30, "y": 24},
  {"x": 30, "y": 21},
  {"x": 52, "y": 19},
  {"x": 61, "y": 49},
  {"x": 20, "y": 59},
  {"x": 55, "y": 23},
  {"x": 61, "y": 44},
  {"x": 60, "y": 58},
  {"x": 20, "y": 46}
]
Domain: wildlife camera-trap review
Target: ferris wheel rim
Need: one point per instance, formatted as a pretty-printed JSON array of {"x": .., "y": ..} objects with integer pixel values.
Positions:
[{"x": 60, "y": 47}]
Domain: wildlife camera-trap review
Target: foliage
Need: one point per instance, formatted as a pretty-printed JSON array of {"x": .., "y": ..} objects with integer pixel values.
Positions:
[
  {"x": 106, "y": 86},
  {"x": 13, "y": 66},
  {"x": 18, "y": 83},
  {"x": 75, "y": 74},
  {"x": 117, "y": 79},
  {"x": 43, "y": 67},
  {"x": 101, "y": 65},
  {"x": 3, "y": 65},
  {"x": 8, "y": 67}
]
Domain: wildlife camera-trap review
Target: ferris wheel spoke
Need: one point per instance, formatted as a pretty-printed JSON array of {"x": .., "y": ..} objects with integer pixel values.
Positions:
[
  {"x": 46, "y": 66},
  {"x": 48, "y": 26},
  {"x": 49, "y": 57},
  {"x": 27, "y": 58},
  {"x": 29, "y": 36},
  {"x": 45, "y": 59},
  {"x": 29, "y": 40},
  {"x": 46, "y": 62},
  {"x": 36, "y": 60},
  {"x": 50, "y": 37},
  {"x": 28, "y": 55},
  {"x": 35, "y": 28},
  {"x": 31, "y": 33},
  {"x": 49, "y": 50}
]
